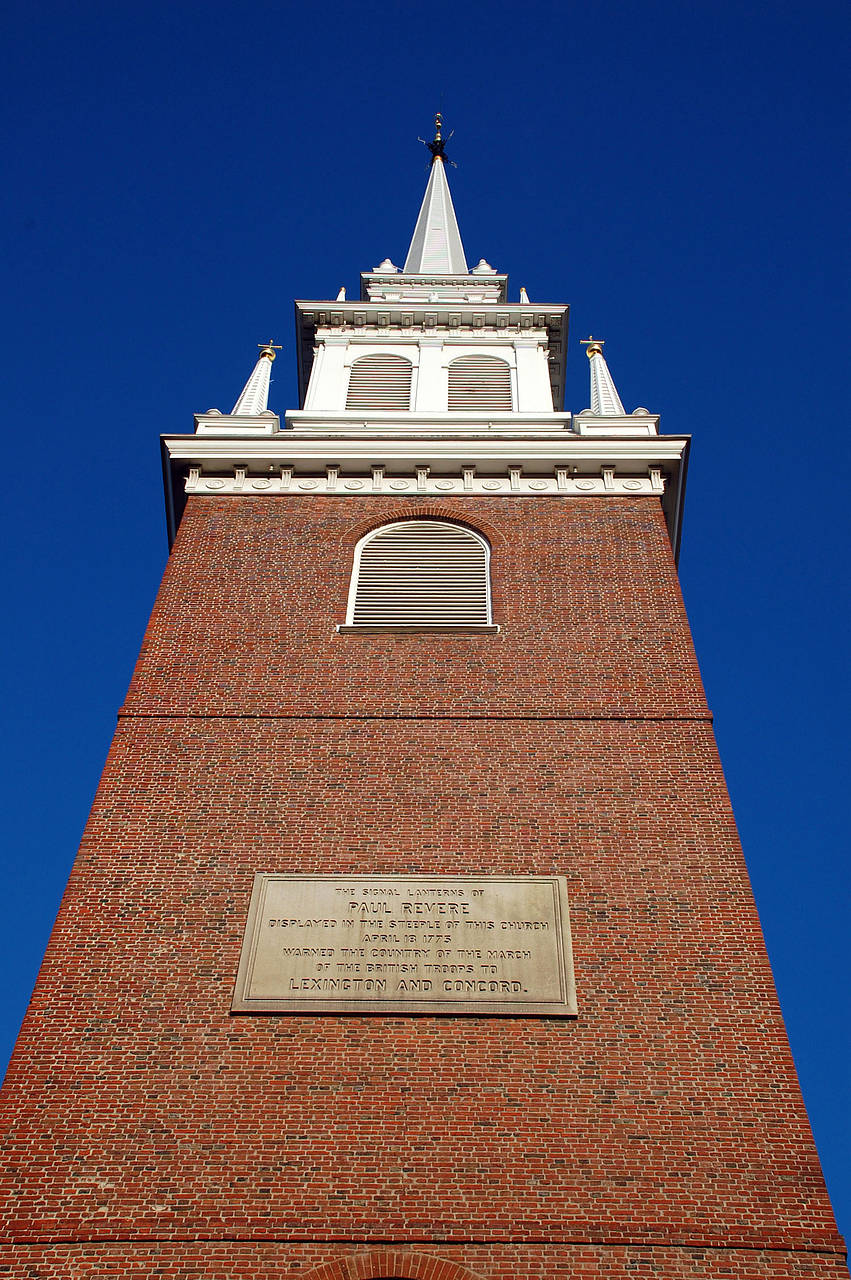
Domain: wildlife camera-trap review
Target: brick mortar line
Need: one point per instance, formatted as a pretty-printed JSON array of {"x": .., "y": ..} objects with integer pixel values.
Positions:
[
  {"x": 705, "y": 717},
  {"x": 838, "y": 1250}
]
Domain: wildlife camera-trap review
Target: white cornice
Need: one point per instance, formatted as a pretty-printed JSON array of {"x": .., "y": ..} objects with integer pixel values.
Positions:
[
  {"x": 316, "y": 422},
  {"x": 335, "y": 313},
  {"x": 424, "y": 482},
  {"x": 468, "y": 464},
  {"x": 413, "y": 337},
  {"x": 488, "y": 451},
  {"x": 387, "y": 287}
]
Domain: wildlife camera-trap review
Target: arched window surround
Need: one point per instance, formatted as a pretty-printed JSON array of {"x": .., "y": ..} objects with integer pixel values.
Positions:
[
  {"x": 414, "y": 524},
  {"x": 383, "y": 1264}
]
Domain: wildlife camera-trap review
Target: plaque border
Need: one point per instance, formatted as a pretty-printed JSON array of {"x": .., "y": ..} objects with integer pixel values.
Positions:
[{"x": 564, "y": 1007}]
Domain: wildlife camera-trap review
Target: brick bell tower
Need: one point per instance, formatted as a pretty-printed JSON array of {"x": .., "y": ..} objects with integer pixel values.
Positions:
[{"x": 410, "y": 935}]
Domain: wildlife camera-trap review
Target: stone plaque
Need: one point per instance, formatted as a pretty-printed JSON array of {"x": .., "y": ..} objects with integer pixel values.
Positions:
[{"x": 407, "y": 944}]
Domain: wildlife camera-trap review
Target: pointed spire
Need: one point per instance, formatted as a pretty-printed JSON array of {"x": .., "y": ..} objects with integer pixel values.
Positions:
[
  {"x": 254, "y": 397},
  {"x": 605, "y": 400},
  {"x": 436, "y": 246}
]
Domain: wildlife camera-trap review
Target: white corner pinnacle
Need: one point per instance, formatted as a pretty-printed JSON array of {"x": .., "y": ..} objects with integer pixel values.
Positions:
[
  {"x": 254, "y": 397},
  {"x": 605, "y": 401},
  {"x": 436, "y": 246}
]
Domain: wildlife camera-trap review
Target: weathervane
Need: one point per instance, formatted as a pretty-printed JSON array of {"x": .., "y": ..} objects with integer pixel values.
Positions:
[
  {"x": 438, "y": 144},
  {"x": 594, "y": 345}
]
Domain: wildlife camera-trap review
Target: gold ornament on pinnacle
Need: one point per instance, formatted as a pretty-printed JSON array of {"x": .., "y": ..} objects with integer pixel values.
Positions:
[
  {"x": 269, "y": 348},
  {"x": 594, "y": 345}
]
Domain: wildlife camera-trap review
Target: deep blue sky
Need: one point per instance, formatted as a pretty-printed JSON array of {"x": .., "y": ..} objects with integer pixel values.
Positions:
[{"x": 179, "y": 172}]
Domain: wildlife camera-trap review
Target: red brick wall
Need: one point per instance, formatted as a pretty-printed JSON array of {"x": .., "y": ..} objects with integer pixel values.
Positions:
[
  {"x": 235, "y": 1260},
  {"x": 585, "y": 590},
  {"x": 659, "y": 1134}
]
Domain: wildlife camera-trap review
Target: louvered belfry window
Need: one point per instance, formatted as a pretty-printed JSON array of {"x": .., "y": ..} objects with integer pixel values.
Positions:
[
  {"x": 480, "y": 382},
  {"x": 420, "y": 572},
  {"x": 380, "y": 382}
]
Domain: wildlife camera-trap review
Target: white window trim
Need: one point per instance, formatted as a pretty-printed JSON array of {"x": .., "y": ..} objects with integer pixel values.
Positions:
[
  {"x": 505, "y": 358},
  {"x": 458, "y": 348},
  {"x": 381, "y": 351},
  {"x": 351, "y": 625}
]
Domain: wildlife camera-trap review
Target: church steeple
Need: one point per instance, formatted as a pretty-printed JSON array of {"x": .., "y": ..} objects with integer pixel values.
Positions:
[
  {"x": 426, "y": 607},
  {"x": 436, "y": 246},
  {"x": 605, "y": 400},
  {"x": 254, "y": 397}
]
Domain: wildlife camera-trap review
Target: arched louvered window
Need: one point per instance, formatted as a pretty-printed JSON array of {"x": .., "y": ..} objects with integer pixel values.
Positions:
[
  {"x": 427, "y": 573},
  {"x": 480, "y": 382},
  {"x": 380, "y": 382}
]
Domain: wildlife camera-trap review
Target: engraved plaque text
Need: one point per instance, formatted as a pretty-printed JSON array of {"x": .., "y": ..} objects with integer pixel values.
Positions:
[{"x": 407, "y": 944}]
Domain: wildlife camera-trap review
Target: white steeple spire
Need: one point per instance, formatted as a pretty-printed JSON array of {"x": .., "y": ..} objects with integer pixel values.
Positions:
[
  {"x": 605, "y": 400},
  {"x": 254, "y": 397},
  {"x": 436, "y": 246}
]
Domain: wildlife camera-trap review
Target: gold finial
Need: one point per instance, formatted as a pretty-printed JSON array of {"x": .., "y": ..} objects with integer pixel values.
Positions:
[
  {"x": 594, "y": 345},
  {"x": 268, "y": 349},
  {"x": 438, "y": 142}
]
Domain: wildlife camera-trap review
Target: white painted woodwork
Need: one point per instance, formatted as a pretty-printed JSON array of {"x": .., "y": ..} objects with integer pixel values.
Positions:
[
  {"x": 436, "y": 243},
  {"x": 254, "y": 397},
  {"x": 605, "y": 400},
  {"x": 431, "y": 384},
  {"x": 431, "y": 355},
  {"x": 534, "y": 393},
  {"x": 479, "y": 383},
  {"x": 380, "y": 381},
  {"x": 329, "y": 376}
]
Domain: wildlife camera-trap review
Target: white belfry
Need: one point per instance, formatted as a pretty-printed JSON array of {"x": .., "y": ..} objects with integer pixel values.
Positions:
[
  {"x": 254, "y": 397},
  {"x": 436, "y": 246},
  {"x": 429, "y": 382},
  {"x": 605, "y": 400}
]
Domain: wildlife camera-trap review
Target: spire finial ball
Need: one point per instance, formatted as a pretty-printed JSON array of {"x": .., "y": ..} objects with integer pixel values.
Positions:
[
  {"x": 594, "y": 345},
  {"x": 268, "y": 349}
]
